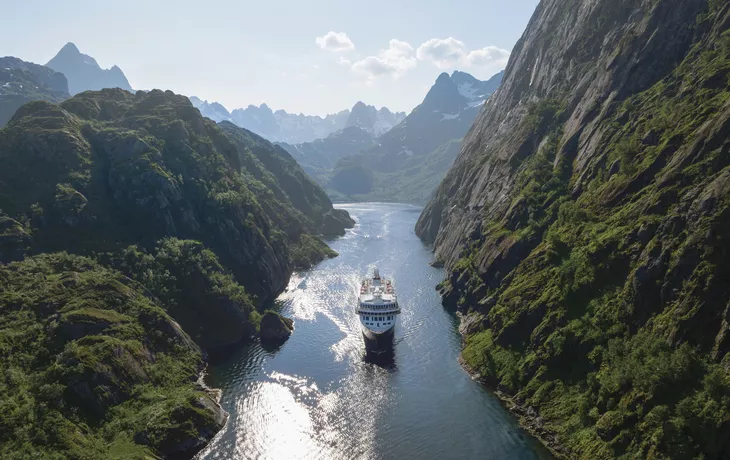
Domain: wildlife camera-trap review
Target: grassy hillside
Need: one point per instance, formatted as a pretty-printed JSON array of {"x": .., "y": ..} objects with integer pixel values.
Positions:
[
  {"x": 93, "y": 367},
  {"x": 594, "y": 279},
  {"x": 136, "y": 239}
]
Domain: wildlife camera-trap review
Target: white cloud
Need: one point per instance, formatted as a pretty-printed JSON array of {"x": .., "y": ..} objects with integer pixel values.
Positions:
[
  {"x": 443, "y": 52},
  {"x": 344, "y": 61},
  {"x": 487, "y": 56},
  {"x": 395, "y": 61},
  {"x": 446, "y": 53},
  {"x": 335, "y": 41}
]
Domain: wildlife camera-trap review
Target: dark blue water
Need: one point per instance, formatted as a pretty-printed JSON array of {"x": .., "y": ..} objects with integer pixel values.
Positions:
[{"x": 318, "y": 397}]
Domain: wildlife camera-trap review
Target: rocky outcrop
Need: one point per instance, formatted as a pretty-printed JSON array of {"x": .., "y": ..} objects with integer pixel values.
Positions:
[
  {"x": 580, "y": 225},
  {"x": 14, "y": 239},
  {"x": 275, "y": 328},
  {"x": 335, "y": 222}
]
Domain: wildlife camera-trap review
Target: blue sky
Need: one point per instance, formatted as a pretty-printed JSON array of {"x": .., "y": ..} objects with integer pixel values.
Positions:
[{"x": 314, "y": 57}]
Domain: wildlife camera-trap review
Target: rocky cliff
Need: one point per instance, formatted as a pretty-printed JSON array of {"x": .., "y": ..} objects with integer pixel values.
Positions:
[
  {"x": 111, "y": 168},
  {"x": 187, "y": 230},
  {"x": 583, "y": 228}
]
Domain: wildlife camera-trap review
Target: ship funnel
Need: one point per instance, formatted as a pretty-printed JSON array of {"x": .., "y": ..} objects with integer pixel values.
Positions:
[{"x": 376, "y": 274}]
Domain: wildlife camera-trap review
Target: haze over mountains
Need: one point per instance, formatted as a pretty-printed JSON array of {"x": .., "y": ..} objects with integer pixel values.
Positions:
[
  {"x": 83, "y": 73},
  {"x": 358, "y": 153},
  {"x": 281, "y": 126},
  {"x": 22, "y": 82},
  {"x": 407, "y": 162},
  {"x": 582, "y": 223}
]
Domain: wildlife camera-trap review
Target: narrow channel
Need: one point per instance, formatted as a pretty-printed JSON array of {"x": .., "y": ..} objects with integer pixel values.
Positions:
[{"x": 318, "y": 397}]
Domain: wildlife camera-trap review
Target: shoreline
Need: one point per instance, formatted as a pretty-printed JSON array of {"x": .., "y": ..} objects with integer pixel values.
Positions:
[{"x": 527, "y": 418}]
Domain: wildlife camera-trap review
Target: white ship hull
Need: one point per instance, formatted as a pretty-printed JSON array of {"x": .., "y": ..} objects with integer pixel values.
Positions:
[{"x": 378, "y": 310}]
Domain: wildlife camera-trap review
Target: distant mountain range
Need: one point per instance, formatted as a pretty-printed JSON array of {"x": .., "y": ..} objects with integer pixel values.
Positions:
[
  {"x": 290, "y": 128},
  {"x": 83, "y": 73},
  {"x": 407, "y": 162},
  {"x": 68, "y": 73},
  {"x": 22, "y": 82},
  {"x": 362, "y": 153},
  {"x": 373, "y": 121}
]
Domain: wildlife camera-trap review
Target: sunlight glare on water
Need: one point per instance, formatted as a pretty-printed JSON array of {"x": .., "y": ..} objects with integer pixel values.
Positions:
[{"x": 318, "y": 397}]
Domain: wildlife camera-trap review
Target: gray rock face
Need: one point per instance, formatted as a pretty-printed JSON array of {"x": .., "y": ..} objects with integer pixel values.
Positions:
[
  {"x": 589, "y": 209},
  {"x": 566, "y": 51},
  {"x": 84, "y": 74}
]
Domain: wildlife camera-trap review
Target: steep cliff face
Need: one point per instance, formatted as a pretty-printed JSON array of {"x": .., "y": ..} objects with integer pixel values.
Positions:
[
  {"x": 583, "y": 225},
  {"x": 188, "y": 229},
  {"x": 109, "y": 169}
]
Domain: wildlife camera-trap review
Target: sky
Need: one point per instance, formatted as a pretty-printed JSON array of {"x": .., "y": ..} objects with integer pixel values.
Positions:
[{"x": 312, "y": 57}]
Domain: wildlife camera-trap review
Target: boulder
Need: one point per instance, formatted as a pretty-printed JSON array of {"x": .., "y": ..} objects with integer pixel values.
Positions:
[{"x": 275, "y": 327}]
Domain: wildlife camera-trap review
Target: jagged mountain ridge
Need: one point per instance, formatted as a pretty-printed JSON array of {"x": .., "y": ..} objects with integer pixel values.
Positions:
[
  {"x": 580, "y": 226},
  {"x": 212, "y": 110},
  {"x": 22, "y": 82},
  {"x": 373, "y": 121},
  {"x": 447, "y": 112},
  {"x": 281, "y": 126},
  {"x": 83, "y": 73}
]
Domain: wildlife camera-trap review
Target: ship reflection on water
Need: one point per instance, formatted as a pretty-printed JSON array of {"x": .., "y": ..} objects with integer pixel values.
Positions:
[{"x": 385, "y": 360}]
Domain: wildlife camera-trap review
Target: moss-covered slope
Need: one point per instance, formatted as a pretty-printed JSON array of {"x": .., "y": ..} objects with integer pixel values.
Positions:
[
  {"x": 187, "y": 229},
  {"x": 107, "y": 169},
  {"x": 92, "y": 367},
  {"x": 585, "y": 228}
]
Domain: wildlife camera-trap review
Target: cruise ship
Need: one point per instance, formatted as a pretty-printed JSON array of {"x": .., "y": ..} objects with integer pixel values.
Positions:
[{"x": 378, "y": 308}]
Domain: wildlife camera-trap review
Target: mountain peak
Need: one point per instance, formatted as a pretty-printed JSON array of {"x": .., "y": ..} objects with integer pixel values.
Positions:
[
  {"x": 83, "y": 72},
  {"x": 69, "y": 48},
  {"x": 374, "y": 121},
  {"x": 462, "y": 77},
  {"x": 444, "y": 77}
]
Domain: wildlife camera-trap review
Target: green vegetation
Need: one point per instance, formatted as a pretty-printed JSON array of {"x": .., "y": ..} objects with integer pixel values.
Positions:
[
  {"x": 138, "y": 238},
  {"x": 82, "y": 349},
  {"x": 21, "y": 82},
  {"x": 413, "y": 181},
  {"x": 605, "y": 310}
]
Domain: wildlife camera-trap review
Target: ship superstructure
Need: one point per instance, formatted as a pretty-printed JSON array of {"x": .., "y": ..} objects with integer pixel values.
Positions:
[{"x": 378, "y": 309}]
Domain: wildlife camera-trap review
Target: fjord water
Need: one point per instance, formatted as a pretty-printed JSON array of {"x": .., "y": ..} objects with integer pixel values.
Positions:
[{"x": 318, "y": 397}]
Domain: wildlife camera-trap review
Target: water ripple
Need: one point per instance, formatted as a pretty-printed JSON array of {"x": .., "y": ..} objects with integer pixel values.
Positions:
[{"x": 319, "y": 397}]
